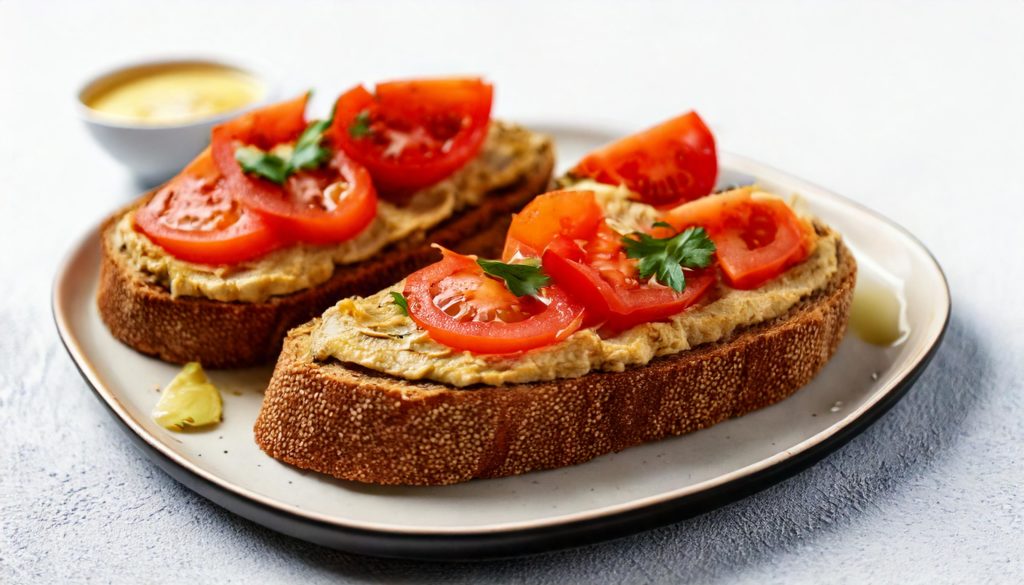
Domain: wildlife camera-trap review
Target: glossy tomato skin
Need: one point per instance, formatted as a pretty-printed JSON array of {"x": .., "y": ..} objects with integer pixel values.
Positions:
[
  {"x": 571, "y": 214},
  {"x": 619, "y": 306},
  {"x": 565, "y": 262},
  {"x": 263, "y": 128},
  {"x": 668, "y": 164},
  {"x": 196, "y": 218},
  {"x": 544, "y": 324},
  {"x": 756, "y": 238},
  {"x": 324, "y": 206},
  {"x": 585, "y": 257},
  {"x": 412, "y": 134},
  {"x": 305, "y": 208},
  {"x": 649, "y": 303}
]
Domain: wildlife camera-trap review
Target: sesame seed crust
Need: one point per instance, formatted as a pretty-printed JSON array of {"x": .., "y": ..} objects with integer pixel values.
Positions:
[
  {"x": 144, "y": 315},
  {"x": 360, "y": 425}
]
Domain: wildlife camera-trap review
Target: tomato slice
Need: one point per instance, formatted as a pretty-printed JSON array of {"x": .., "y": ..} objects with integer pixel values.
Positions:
[
  {"x": 325, "y": 205},
  {"x": 611, "y": 294},
  {"x": 756, "y": 238},
  {"x": 666, "y": 165},
  {"x": 461, "y": 307},
  {"x": 654, "y": 302},
  {"x": 264, "y": 128},
  {"x": 412, "y": 134},
  {"x": 196, "y": 218},
  {"x": 573, "y": 214},
  {"x": 585, "y": 257}
]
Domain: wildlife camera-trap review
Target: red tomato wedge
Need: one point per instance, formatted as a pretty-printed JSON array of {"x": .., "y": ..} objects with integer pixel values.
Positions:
[
  {"x": 608, "y": 288},
  {"x": 329, "y": 204},
  {"x": 461, "y": 307},
  {"x": 412, "y": 134},
  {"x": 196, "y": 218},
  {"x": 666, "y": 165},
  {"x": 573, "y": 214},
  {"x": 756, "y": 238}
]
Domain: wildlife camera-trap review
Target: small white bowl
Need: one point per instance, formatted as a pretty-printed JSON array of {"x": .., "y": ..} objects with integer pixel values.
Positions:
[{"x": 156, "y": 152}]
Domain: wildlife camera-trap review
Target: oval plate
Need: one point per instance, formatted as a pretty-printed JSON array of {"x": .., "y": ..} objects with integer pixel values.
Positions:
[{"x": 611, "y": 496}]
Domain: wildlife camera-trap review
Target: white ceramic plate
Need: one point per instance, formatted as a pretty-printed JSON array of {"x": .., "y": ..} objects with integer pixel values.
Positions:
[{"x": 607, "y": 497}]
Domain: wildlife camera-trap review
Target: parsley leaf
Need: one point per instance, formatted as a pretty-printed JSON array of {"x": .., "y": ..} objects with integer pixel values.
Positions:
[
  {"x": 360, "y": 126},
  {"x": 269, "y": 166},
  {"x": 309, "y": 153},
  {"x": 522, "y": 279},
  {"x": 403, "y": 305},
  {"x": 664, "y": 258}
]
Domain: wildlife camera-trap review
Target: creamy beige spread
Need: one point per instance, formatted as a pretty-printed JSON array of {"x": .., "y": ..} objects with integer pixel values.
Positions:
[
  {"x": 508, "y": 154},
  {"x": 373, "y": 332}
]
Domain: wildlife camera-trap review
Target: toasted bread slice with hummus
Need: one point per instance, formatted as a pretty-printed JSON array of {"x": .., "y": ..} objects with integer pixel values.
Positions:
[
  {"x": 238, "y": 316},
  {"x": 354, "y": 423}
]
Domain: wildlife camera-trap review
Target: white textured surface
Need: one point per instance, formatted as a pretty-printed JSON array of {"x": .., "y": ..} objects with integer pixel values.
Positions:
[{"x": 914, "y": 110}]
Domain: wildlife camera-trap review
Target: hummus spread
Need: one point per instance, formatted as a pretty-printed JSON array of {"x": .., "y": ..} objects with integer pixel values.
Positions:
[
  {"x": 508, "y": 154},
  {"x": 374, "y": 333}
]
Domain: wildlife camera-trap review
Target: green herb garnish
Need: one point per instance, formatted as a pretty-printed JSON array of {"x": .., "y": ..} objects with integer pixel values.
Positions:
[
  {"x": 665, "y": 258},
  {"x": 403, "y": 305},
  {"x": 360, "y": 126},
  {"x": 522, "y": 279},
  {"x": 269, "y": 166},
  {"x": 309, "y": 153}
]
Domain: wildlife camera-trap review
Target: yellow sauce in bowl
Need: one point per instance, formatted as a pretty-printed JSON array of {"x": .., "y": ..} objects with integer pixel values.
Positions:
[{"x": 176, "y": 93}]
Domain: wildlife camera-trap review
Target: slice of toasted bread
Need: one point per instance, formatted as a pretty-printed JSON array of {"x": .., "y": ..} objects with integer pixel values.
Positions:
[
  {"x": 360, "y": 425},
  {"x": 219, "y": 334}
]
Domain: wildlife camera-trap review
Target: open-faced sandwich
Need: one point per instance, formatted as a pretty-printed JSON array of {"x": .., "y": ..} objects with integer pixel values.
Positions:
[
  {"x": 628, "y": 306},
  {"x": 282, "y": 216}
]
